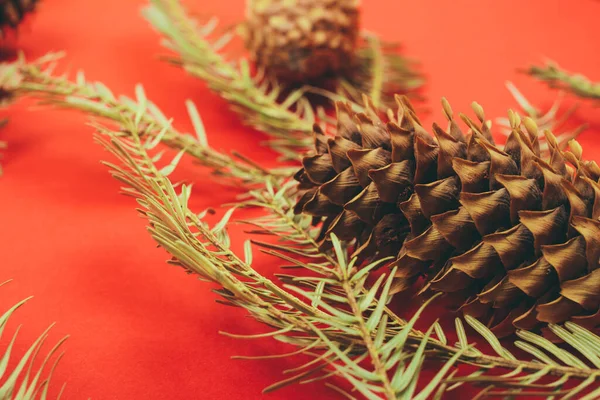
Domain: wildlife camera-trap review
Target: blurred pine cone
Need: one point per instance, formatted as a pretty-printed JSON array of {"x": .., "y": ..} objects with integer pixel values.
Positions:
[
  {"x": 301, "y": 40},
  {"x": 514, "y": 237},
  {"x": 12, "y": 13}
]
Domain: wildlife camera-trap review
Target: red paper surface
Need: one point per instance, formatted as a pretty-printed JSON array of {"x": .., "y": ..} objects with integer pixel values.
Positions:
[{"x": 141, "y": 329}]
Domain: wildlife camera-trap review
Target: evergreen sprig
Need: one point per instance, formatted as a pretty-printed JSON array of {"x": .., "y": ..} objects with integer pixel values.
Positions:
[
  {"x": 254, "y": 97},
  {"x": 556, "y": 77},
  {"x": 24, "y": 381},
  {"x": 36, "y": 79}
]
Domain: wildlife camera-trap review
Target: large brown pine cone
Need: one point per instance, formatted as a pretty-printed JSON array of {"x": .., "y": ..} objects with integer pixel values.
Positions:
[
  {"x": 514, "y": 236},
  {"x": 301, "y": 40},
  {"x": 12, "y": 12}
]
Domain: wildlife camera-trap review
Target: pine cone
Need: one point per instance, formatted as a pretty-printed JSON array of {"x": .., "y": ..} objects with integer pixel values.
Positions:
[
  {"x": 300, "y": 40},
  {"x": 12, "y": 12},
  {"x": 514, "y": 237}
]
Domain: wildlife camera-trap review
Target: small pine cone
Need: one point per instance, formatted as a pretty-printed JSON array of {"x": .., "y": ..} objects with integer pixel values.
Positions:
[
  {"x": 301, "y": 40},
  {"x": 12, "y": 12},
  {"x": 514, "y": 237}
]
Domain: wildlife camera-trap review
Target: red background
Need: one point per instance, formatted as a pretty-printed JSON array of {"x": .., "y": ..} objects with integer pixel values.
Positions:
[{"x": 142, "y": 329}]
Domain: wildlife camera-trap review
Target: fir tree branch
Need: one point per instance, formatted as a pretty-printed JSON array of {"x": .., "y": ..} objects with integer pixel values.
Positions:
[
  {"x": 195, "y": 246},
  {"x": 36, "y": 80},
  {"x": 290, "y": 122},
  {"x": 205, "y": 251},
  {"x": 22, "y": 381},
  {"x": 556, "y": 77}
]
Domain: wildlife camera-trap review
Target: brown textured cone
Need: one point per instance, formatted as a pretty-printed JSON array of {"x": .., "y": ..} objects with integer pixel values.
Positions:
[
  {"x": 12, "y": 12},
  {"x": 299, "y": 40},
  {"x": 516, "y": 237}
]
